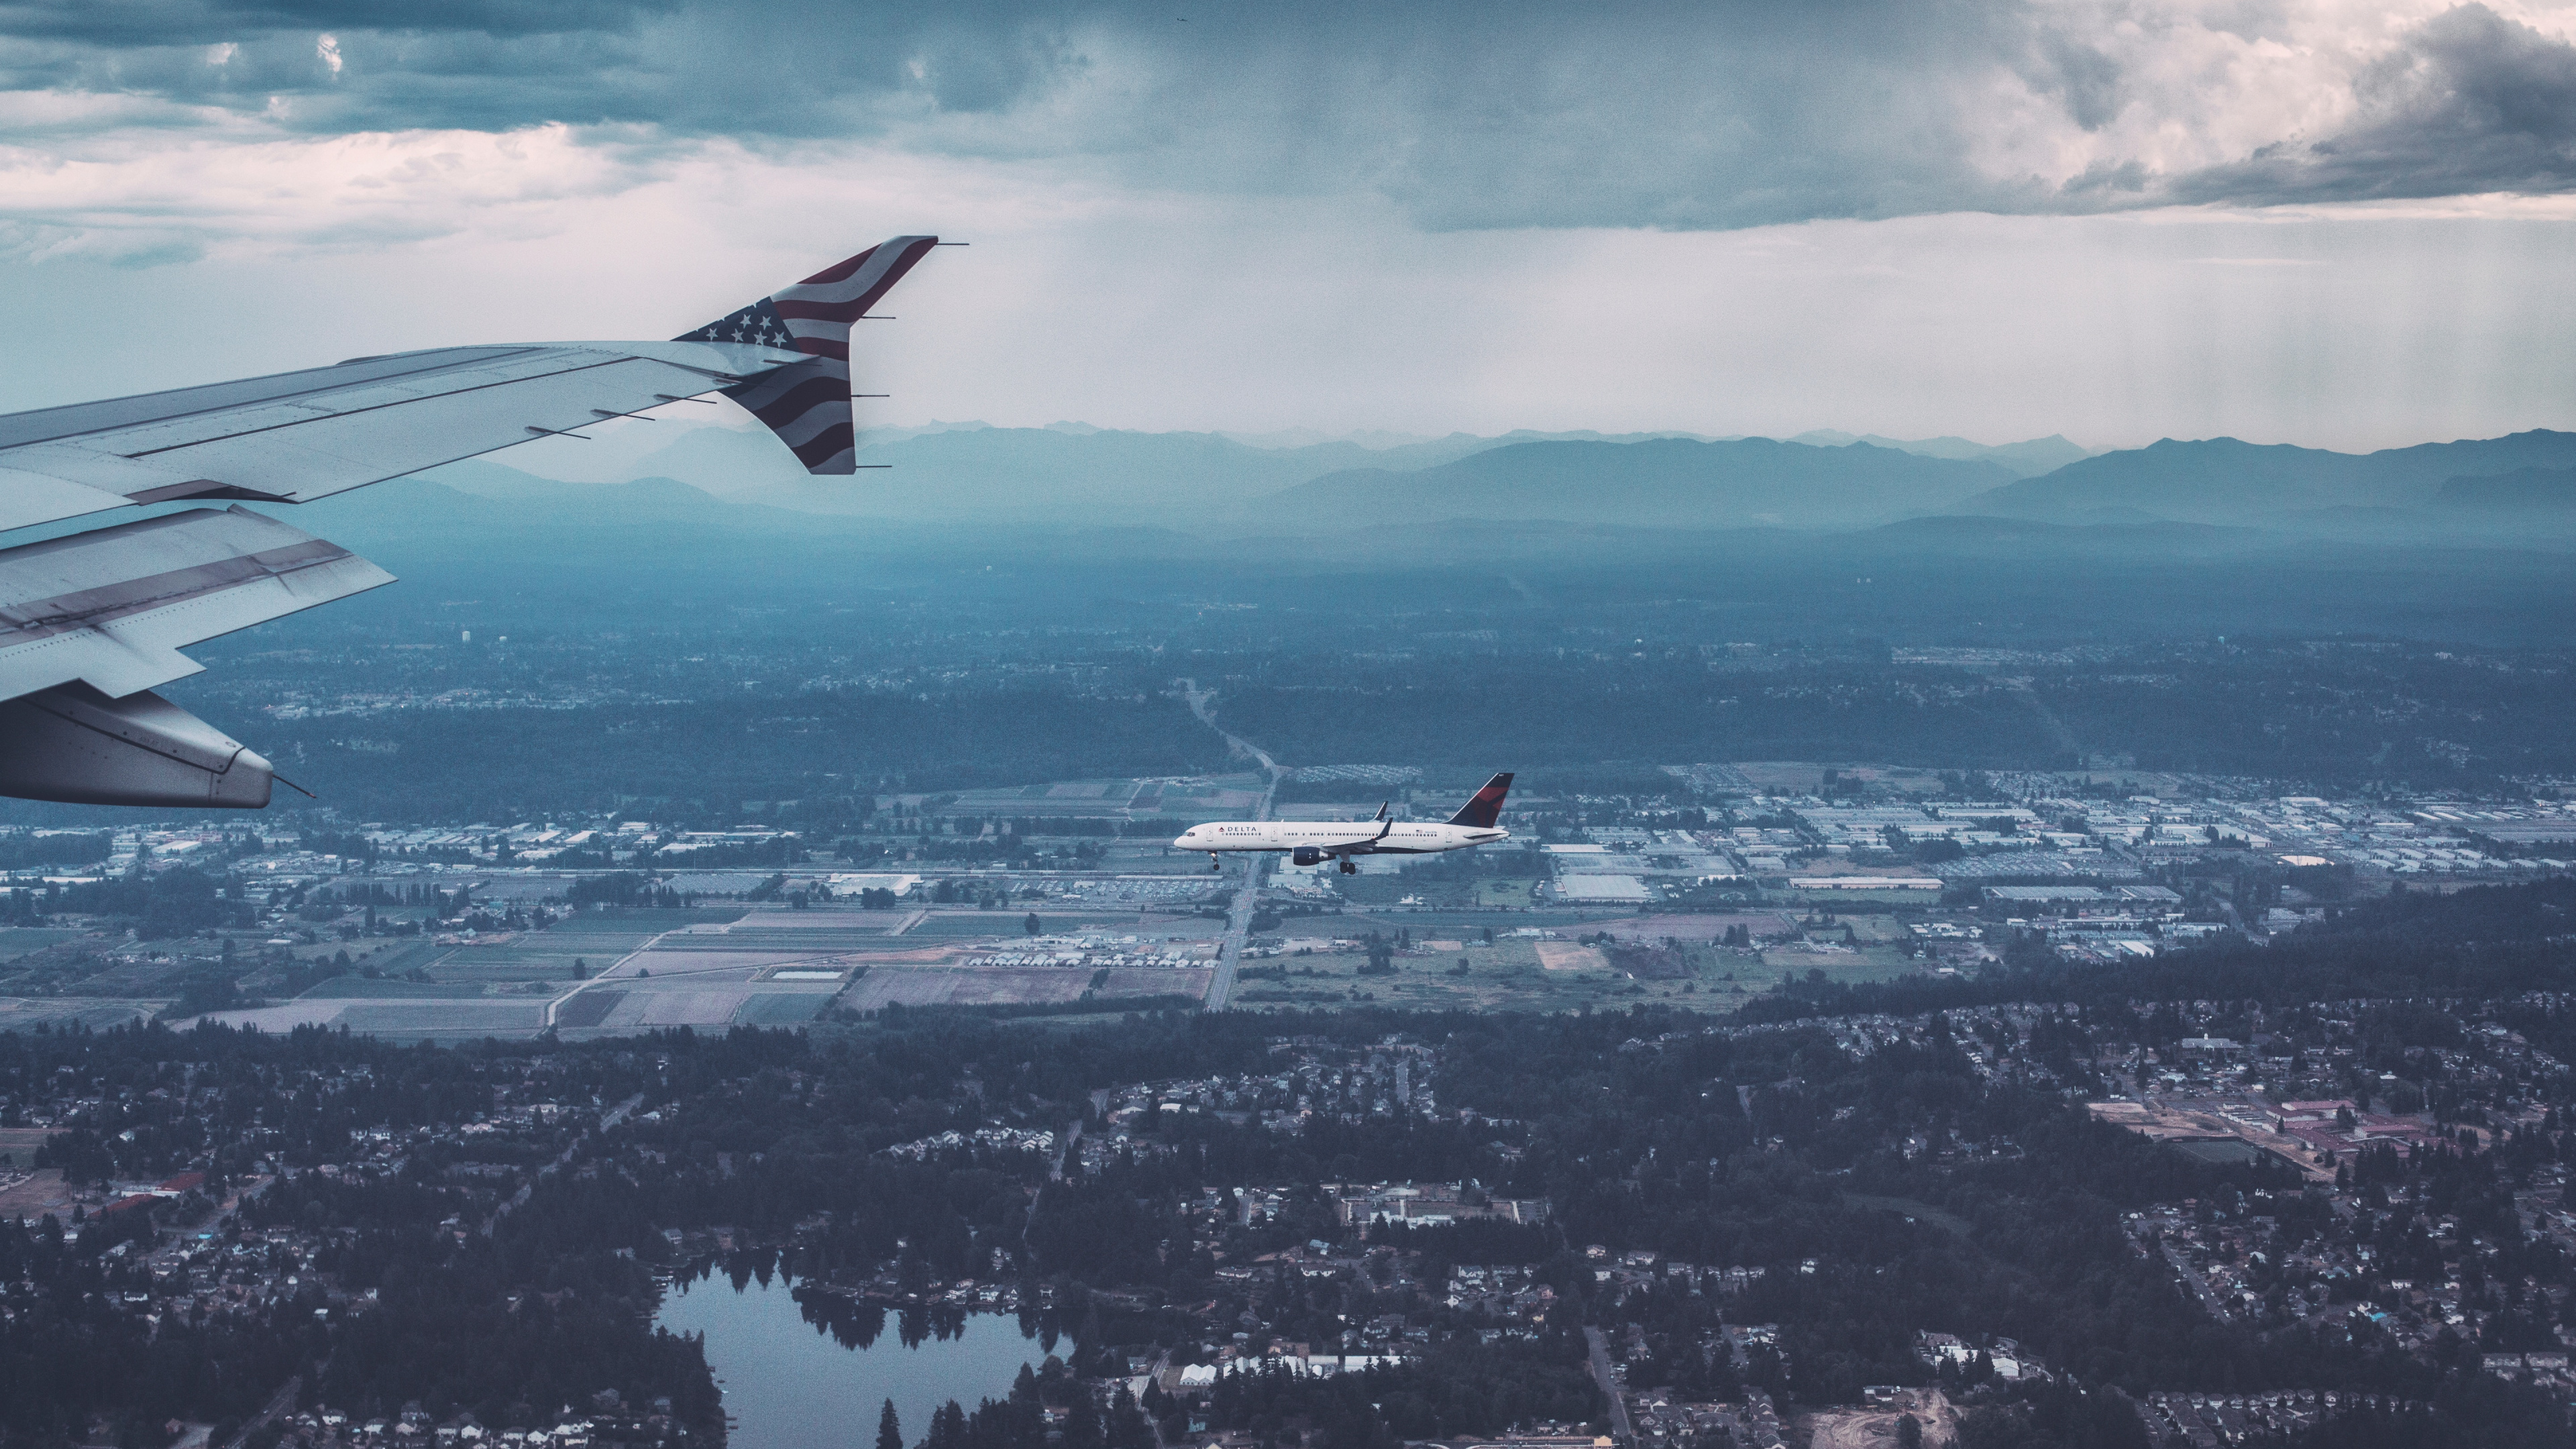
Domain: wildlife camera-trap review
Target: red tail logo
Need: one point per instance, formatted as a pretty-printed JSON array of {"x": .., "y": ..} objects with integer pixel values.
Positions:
[{"x": 1487, "y": 806}]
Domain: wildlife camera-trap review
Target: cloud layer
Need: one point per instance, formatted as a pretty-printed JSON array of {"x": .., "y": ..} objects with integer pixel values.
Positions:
[{"x": 1489, "y": 116}]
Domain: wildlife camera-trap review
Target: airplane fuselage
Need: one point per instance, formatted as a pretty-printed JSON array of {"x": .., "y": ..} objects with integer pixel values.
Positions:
[{"x": 1336, "y": 837}]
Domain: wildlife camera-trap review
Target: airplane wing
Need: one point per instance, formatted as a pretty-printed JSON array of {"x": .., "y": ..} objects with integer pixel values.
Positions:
[
  {"x": 92, "y": 622},
  {"x": 1381, "y": 821}
]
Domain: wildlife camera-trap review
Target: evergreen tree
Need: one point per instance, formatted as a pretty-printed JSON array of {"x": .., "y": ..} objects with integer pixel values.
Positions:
[
  {"x": 889, "y": 1429},
  {"x": 1082, "y": 1427}
]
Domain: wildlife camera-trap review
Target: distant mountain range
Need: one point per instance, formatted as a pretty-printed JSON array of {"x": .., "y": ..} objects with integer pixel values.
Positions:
[
  {"x": 2221, "y": 480},
  {"x": 1667, "y": 482},
  {"x": 2519, "y": 489},
  {"x": 1071, "y": 474},
  {"x": 2030, "y": 459}
]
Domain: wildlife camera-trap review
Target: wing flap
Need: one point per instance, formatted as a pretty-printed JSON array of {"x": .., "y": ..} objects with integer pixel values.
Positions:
[
  {"x": 28, "y": 498},
  {"x": 112, "y": 608},
  {"x": 315, "y": 456},
  {"x": 300, "y": 436}
]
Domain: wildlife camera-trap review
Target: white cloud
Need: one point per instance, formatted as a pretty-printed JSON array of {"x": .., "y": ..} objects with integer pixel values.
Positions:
[{"x": 229, "y": 186}]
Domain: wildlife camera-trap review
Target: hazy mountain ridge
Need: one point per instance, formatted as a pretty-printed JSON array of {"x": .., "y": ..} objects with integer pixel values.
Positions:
[
  {"x": 2224, "y": 480},
  {"x": 2514, "y": 490},
  {"x": 2029, "y": 458},
  {"x": 2547, "y": 490},
  {"x": 1747, "y": 482},
  {"x": 1074, "y": 473}
]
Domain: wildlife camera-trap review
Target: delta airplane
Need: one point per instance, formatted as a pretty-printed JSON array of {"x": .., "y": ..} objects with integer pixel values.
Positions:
[{"x": 1312, "y": 842}]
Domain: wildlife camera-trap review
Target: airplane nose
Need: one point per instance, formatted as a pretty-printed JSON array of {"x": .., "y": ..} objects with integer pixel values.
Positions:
[{"x": 1184, "y": 839}]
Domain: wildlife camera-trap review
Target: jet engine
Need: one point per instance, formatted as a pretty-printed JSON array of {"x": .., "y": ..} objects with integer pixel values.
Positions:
[
  {"x": 75, "y": 744},
  {"x": 1306, "y": 855}
]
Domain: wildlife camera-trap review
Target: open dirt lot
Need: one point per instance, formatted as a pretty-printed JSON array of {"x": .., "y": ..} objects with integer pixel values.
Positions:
[
  {"x": 1876, "y": 1428},
  {"x": 1566, "y": 956},
  {"x": 31, "y": 1195}
]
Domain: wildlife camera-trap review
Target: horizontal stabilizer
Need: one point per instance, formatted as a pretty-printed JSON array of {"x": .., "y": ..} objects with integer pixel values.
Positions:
[{"x": 112, "y": 608}]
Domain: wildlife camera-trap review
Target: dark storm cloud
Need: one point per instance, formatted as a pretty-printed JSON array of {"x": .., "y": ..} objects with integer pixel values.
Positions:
[
  {"x": 206, "y": 22},
  {"x": 1498, "y": 115},
  {"x": 2468, "y": 102}
]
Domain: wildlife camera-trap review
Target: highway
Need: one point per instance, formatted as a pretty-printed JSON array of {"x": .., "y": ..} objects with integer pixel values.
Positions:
[{"x": 1247, "y": 894}]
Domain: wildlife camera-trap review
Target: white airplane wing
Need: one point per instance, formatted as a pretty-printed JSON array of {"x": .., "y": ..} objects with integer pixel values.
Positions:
[
  {"x": 1366, "y": 836},
  {"x": 90, "y": 623}
]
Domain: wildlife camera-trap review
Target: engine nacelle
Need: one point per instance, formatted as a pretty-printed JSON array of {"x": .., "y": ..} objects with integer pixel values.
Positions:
[
  {"x": 1306, "y": 855},
  {"x": 74, "y": 744}
]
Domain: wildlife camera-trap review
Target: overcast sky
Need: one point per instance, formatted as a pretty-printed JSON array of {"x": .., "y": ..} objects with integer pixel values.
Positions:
[{"x": 2345, "y": 225}]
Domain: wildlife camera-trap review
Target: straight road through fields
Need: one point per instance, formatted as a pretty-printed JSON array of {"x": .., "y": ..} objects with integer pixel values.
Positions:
[{"x": 1247, "y": 895}]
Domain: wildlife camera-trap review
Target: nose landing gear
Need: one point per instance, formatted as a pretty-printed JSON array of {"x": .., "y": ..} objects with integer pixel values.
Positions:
[{"x": 1215, "y": 862}]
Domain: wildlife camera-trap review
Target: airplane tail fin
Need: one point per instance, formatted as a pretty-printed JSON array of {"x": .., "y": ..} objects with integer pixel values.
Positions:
[
  {"x": 1381, "y": 810},
  {"x": 1486, "y": 806},
  {"x": 807, "y": 404}
]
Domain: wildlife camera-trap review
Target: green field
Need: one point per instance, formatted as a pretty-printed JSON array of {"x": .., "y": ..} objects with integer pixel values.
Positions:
[
  {"x": 963, "y": 926},
  {"x": 360, "y": 988},
  {"x": 1445, "y": 923},
  {"x": 1502, "y": 977},
  {"x": 17, "y": 941},
  {"x": 1866, "y": 963}
]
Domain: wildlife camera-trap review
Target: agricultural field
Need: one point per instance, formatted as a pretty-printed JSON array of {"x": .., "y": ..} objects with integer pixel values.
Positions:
[
  {"x": 885, "y": 986},
  {"x": 1510, "y": 975},
  {"x": 1207, "y": 797},
  {"x": 525, "y": 983},
  {"x": 18, "y": 1013},
  {"x": 1369, "y": 889},
  {"x": 17, "y": 941},
  {"x": 1838, "y": 963}
]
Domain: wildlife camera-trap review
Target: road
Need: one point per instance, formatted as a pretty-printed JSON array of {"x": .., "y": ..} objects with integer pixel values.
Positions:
[
  {"x": 281, "y": 1402},
  {"x": 1247, "y": 894},
  {"x": 1064, "y": 1149},
  {"x": 1609, "y": 1383},
  {"x": 2194, "y": 1280},
  {"x": 519, "y": 1199}
]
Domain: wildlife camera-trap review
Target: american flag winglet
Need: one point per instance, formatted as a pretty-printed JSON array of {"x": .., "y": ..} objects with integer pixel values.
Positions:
[{"x": 807, "y": 404}]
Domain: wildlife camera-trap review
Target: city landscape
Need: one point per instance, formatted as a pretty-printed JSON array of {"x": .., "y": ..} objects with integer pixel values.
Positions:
[
  {"x": 2280, "y": 1073},
  {"x": 1287, "y": 727}
]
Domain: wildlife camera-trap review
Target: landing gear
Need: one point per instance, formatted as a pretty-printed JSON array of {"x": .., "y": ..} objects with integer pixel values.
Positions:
[
  {"x": 1349, "y": 869},
  {"x": 1215, "y": 862}
]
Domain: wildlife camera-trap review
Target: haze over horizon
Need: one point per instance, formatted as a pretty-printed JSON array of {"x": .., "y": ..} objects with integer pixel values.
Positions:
[{"x": 2332, "y": 225}]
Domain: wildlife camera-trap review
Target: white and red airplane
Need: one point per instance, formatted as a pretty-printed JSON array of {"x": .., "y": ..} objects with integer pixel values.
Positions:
[{"x": 1312, "y": 842}]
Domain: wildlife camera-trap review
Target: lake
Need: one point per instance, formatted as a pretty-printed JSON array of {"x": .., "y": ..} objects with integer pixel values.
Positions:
[{"x": 791, "y": 1383}]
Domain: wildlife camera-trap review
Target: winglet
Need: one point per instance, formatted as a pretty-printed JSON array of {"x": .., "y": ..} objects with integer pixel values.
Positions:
[
  {"x": 1381, "y": 810},
  {"x": 807, "y": 404},
  {"x": 1486, "y": 806}
]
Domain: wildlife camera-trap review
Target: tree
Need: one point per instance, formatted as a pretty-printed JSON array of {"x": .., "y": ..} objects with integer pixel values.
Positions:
[
  {"x": 1082, "y": 1426},
  {"x": 947, "y": 1427},
  {"x": 889, "y": 1429},
  {"x": 1031, "y": 924},
  {"x": 1128, "y": 1428}
]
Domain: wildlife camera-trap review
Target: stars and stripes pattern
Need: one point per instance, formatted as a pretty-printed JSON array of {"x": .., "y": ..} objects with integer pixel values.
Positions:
[{"x": 807, "y": 404}]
